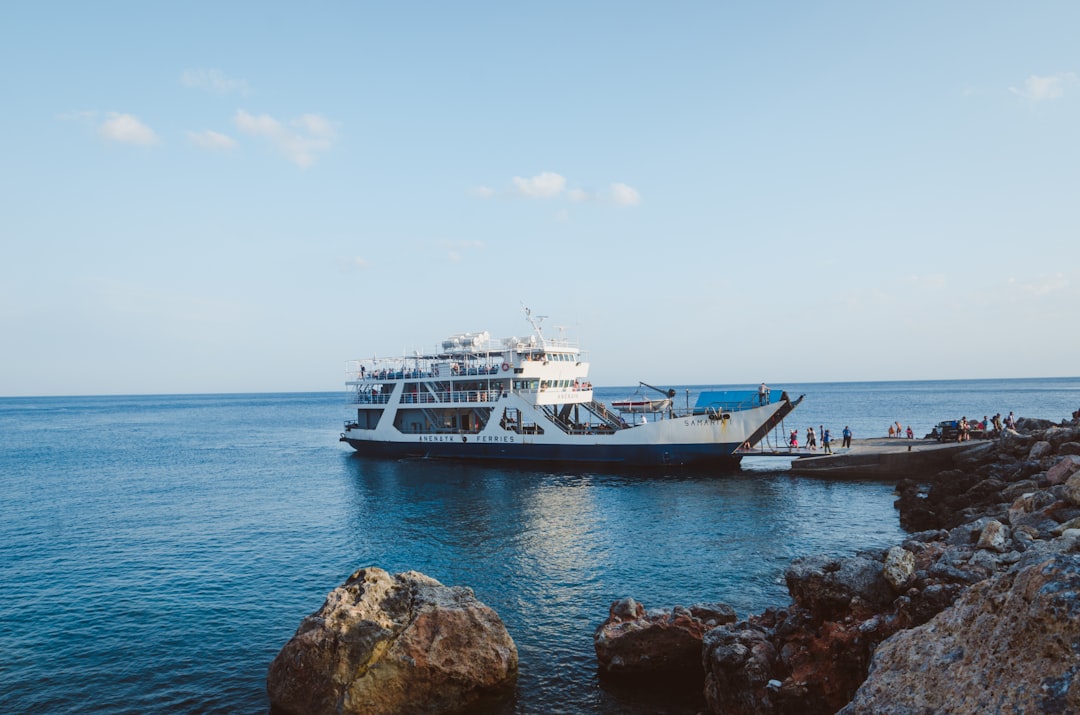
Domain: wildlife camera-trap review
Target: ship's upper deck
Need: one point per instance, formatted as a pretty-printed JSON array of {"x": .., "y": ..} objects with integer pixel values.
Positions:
[{"x": 476, "y": 354}]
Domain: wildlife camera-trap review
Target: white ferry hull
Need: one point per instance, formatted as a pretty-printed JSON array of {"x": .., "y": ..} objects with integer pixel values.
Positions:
[{"x": 692, "y": 440}]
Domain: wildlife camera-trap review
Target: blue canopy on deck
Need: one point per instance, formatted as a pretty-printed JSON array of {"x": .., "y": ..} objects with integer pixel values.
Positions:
[{"x": 731, "y": 400}]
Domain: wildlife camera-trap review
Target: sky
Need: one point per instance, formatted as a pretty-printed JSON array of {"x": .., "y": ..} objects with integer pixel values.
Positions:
[{"x": 239, "y": 197}]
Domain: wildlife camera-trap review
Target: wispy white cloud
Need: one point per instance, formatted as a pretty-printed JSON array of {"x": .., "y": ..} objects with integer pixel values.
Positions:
[
  {"x": 455, "y": 249},
  {"x": 625, "y": 195},
  {"x": 316, "y": 126},
  {"x": 550, "y": 185},
  {"x": 1045, "y": 285},
  {"x": 348, "y": 264},
  {"x": 928, "y": 281},
  {"x": 545, "y": 185},
  {"x": 210, "y": 139},
  {"x": 213, "y": 81},
  {"x": 1037, "y": 88},
  {"x": 298, "y": 140},
  {"x": 127, "y": 129}
]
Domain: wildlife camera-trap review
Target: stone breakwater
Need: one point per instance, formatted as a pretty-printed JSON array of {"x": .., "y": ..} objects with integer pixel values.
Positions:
[{"x": 977, "y": 611}]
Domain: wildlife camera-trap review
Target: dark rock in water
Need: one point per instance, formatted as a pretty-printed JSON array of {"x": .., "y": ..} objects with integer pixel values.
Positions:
[
  {"x": 788, "y": 661},
  {"x": 1009, "y": 644},
  {"x": 656, "y": 644},
  {"x": 713, "y": 614},
  {"x": 393, "y": 644},
  {"x": 739, "y": 665}
]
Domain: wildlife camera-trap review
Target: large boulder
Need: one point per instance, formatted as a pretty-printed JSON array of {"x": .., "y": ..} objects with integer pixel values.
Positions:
[
  {"x": 829, "y": 587},
  {"x": 393, "y": 644},
  {"x": 1010, "y": 644}
]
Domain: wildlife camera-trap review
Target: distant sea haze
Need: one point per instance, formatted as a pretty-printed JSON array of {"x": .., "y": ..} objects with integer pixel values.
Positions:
[{"x": 158, "y": 551}]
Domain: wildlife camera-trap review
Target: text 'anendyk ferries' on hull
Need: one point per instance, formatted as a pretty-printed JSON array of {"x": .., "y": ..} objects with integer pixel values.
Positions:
[{"x": 529, "y": 399}]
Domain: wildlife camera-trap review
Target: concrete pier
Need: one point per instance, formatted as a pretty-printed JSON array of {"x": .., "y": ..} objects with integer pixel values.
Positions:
[{"x": 883, "y": 457}]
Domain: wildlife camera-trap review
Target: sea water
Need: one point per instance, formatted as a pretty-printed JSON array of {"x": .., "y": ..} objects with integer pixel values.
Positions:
[{"x": 156, "y": 552}]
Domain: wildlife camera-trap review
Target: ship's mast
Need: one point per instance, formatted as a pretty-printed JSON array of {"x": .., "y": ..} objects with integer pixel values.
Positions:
[{"x": 534, "y": 322}]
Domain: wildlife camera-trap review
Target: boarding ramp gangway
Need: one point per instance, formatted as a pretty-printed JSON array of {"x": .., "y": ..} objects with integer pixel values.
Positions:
[{"x": 778, "y": 417}]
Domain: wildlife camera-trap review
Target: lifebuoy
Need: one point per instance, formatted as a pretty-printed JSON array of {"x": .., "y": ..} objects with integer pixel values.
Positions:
[{"x": 506, "y": 366}]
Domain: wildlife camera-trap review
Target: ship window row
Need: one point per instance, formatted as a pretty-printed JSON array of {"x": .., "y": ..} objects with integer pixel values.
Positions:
[
  {"x": 553, "y": 357},
  {"x": 546, "y": 384}
]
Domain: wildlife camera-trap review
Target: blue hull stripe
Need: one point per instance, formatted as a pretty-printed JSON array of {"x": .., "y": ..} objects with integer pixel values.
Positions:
[{"x": 630, "y": 455}]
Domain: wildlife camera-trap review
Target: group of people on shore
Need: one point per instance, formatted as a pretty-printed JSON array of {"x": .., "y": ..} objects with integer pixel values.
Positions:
[
  {"x": 812, "y": 437},
  {"x": 896, "y": 431},
  {"x": 990, "y": 427}
]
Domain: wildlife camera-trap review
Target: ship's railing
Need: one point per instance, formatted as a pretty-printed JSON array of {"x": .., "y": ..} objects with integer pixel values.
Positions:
[
  {"x": 367, "y": 397},
  {"x": 418, "y": 373},
  {"x": 444, "y": 397},
  {"x": 475, "y": 370}
]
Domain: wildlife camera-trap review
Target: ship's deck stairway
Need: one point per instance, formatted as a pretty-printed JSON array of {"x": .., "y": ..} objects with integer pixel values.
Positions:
[{"x": 611, "y": 419}]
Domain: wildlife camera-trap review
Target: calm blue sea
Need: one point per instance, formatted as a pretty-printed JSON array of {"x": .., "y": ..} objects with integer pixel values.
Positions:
[{"x": 156, "y": 552}]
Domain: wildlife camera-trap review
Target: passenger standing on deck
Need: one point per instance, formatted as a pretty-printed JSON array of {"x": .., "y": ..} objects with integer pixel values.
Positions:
[
  {"x": 847, "y": 436},
  {"x": 910, "y": 432},
  {"x": 793, "y": 440},
  {"x": 826, "y": 441},
  {"x": 892, "y": 431},
  {"x": 763, "y": 394},
  {"x": 811, "y": 439}
]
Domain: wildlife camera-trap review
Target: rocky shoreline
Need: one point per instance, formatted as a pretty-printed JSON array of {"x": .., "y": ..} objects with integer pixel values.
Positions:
[{"x": 975, "y": 612}]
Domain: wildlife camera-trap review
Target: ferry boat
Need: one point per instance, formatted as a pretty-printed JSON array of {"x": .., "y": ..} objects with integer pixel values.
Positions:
[{"x": 530, "y": 399}]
